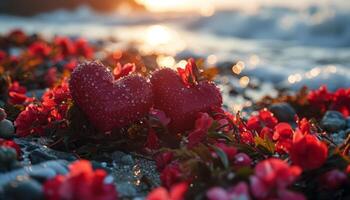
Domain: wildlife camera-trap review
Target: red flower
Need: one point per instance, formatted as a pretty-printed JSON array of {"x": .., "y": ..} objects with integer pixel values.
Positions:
[
  {"x": 120, "y": 71},
  {"x": 11, "y": 144},
  {"x": 305, "y": 127},
  {"x": 320, "y": 98},
  {"x": 230, "y": 151},
  {"x": 83, "y": 48},
  {"x": 202, "y": 125},
  {"x": 82, "y": 182},
  {"x": 17, "y": 94},
  {"x": 283, "y": 135},
  {"x": 39, "y": 49},
  {"x": 17, "y": 36},
  {"x": 16, "y": 87},
  {"x": 190, "y": 74},
  {"x": 177, "y": 192},
  {"x": 66, "y": 46},
  {"x": 341, "y": 101},
  {"x": 163, "y": 159},
  {"x": 247, "y": 137},
  {"x": 333, "y": 179},
  {"x": 51, "y": 77},
  {"x": 239, "y": 191},
  {"x": 272, "y": 175},
  {"x": 33, "y": 120},
  {"x": 265, "y": 118},
  {"x": 171, "y": 174},
  {"x": 2, "y": 55},
  {"x": 70, "y": 66},
  {"x": 152, "y": 140},
  {"x": 308, "y": 152}
]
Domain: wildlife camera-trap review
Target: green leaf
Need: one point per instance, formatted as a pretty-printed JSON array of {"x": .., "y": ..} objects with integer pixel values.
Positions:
[
  {"x": 222, "y": 155},
  {"x": 265, "y": 144}
]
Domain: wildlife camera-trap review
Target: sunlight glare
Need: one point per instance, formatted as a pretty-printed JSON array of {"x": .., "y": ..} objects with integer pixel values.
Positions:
[{"x": 157, "y": 35}]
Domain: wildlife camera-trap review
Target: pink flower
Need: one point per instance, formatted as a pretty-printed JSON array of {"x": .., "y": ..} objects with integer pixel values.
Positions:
[
  {"x": 333, "y": 179},
  {"x": 242, "y": 160},
  {"x": 230, "y": 151},
  {"x": 239, "y": 191},
  {"x": 3, "y": 114},
  {"x": 177, "y": 192},
  {"x": 272, "y": 175},
  {"x": 160, "y": 115}
]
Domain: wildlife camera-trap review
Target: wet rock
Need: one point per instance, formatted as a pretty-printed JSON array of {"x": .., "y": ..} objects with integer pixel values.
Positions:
[
  {"x": 333, "y": 121},
  {"x": 38, "y": 156},
  {"x": 348, "y": 122},
  {"x": 7, "y": 129},
  {"x": 38, "y": 152},
  {"x": 8, "y": 159},
  {"x": 45, "y": 170},
  {"x": 135, "y": 180},
  {"x": 23, "y": 188},
  {"x": 339, "y": 137},
  {"x": 284, "y": 112},
  {"x": 122, "y": 158}
]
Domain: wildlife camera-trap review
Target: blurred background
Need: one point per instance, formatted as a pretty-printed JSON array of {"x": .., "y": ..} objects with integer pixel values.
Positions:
[{"x": 284, "y": 43}]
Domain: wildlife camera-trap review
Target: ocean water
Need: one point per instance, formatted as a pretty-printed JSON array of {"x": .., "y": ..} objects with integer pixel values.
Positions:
[{"x": 289, "y": 47}]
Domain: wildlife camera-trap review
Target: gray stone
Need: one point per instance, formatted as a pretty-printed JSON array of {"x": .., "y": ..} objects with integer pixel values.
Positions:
[
  {"x": 8, "y": 158},
  {"x": 23, "y": 188},
  {"x": 348, "y": 122},
  {"x": 284, "y": 112},
  {"x": 122, "y": 158},
  {"x": 333, "y": 121},
  {"x": 7, "y": 129},
  {"x": 38, "y": 156},
  {"x": 55, "y": 167}
]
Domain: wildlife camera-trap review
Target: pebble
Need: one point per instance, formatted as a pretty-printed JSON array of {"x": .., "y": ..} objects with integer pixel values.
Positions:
[
  {"x": 333, "y": 121},
  {"x": 8, "y": 158},
  {"x": 284, "y": 112},
  {"x": 38, "y": 156},
  {"x": 23, "y": 188},
  {"x": 348, "y": 122},
  {"x": 40, "y": 171},
  {"x": 122, "y": 158},
  {"x": 7, "y": 129}
]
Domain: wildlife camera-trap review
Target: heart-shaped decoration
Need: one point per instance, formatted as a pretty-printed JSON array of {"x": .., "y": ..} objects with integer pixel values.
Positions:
[
  {"x": 181, "y": 102},
  {"x": 109, "y": 103}
]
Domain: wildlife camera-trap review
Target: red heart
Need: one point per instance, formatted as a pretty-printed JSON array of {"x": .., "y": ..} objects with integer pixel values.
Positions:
[
  {"x": 182, "y": 103},
  {"x": 109, "y": 103}
]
